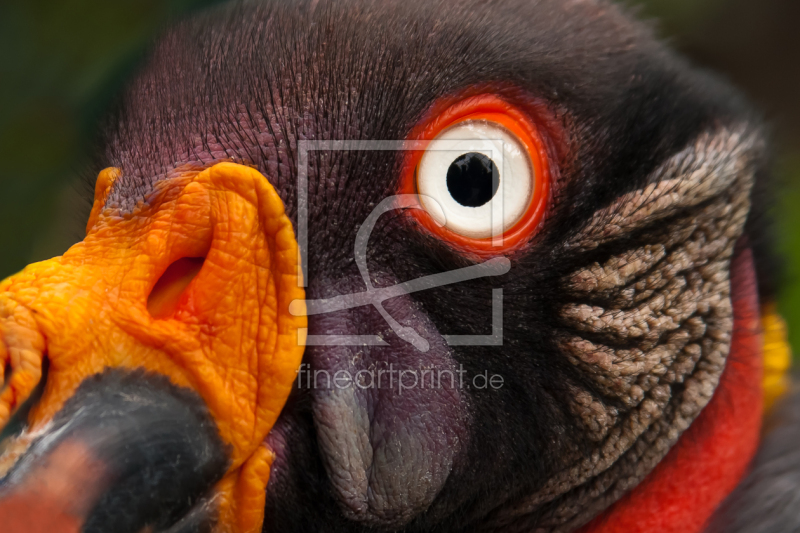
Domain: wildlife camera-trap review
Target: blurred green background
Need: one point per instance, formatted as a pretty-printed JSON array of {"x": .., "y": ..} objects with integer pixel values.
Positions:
[{"x": 62, "y": 62}]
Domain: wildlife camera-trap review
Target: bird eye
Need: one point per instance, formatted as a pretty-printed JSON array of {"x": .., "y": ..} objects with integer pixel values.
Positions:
[
  {"x": 475, "y": 179},
  {"x": 482, "y": 179}
]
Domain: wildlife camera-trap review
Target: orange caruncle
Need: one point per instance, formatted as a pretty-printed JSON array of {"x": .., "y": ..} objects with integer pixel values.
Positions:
[{"x": 223, "y": 329}]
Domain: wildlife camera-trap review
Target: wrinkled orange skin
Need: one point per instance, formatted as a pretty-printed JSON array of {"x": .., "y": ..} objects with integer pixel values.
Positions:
[{"x": 229, "y": 336}]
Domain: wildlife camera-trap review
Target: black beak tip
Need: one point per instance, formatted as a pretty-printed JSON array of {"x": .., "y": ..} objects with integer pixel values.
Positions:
[{"x": 128, "y": 451}]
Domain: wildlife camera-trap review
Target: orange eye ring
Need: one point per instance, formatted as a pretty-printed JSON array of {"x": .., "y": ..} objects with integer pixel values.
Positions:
[{"x": 489, "y": 108}]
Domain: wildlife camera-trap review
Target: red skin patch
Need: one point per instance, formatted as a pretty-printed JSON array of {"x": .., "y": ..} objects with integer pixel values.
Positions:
[{"x": 712, "y": 456}]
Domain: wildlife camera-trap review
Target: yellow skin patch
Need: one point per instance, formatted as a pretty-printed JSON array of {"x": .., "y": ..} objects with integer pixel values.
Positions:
[
  {"x": 228, "y": 334},
  {"x": 777, "y": 355}
]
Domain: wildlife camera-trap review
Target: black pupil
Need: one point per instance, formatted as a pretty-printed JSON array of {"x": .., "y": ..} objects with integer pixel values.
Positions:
[{"x": 472, "y": 179}]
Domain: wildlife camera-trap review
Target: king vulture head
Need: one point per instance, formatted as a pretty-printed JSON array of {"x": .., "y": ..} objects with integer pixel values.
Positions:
[{"x": 398, "y": 266}]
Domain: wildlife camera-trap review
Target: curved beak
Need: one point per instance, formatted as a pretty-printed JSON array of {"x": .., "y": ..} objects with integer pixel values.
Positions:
[
  {"x": 128, "y": 451},
  {"x": 192, "y": 287}
]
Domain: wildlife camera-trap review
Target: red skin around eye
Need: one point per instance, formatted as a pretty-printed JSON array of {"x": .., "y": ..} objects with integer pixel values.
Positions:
[{"x": 491, "y": 108}]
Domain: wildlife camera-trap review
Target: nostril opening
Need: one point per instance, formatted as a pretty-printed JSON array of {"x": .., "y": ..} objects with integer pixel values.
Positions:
[{"x": 169, "y": 289}]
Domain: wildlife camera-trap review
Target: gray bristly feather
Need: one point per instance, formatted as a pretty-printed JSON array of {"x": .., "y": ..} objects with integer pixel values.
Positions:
[{"x": 768, "y": 500}]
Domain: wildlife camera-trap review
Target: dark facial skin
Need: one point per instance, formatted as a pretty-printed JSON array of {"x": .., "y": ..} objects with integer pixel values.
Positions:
[{"x": 653, "y": 167}]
